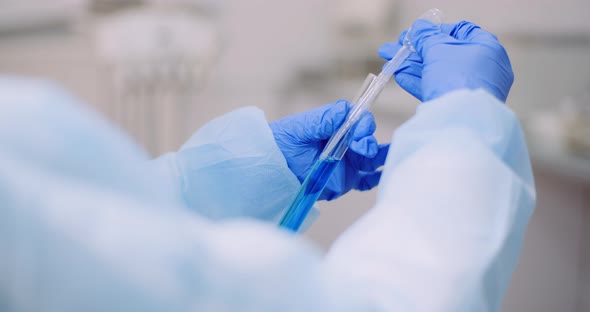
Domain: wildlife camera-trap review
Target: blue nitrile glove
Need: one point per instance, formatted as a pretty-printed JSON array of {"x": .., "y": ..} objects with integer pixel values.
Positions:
[
  {"x": 454, "y": 56},
  {"x": 302, "y": 137}
]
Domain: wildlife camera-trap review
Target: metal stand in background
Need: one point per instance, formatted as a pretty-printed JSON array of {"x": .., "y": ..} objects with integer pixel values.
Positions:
[{"x": 156, "y": 58}]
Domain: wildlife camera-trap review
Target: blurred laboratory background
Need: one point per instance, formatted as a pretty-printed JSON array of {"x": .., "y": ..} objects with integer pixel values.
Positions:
[{"x": 161, "y": 69}]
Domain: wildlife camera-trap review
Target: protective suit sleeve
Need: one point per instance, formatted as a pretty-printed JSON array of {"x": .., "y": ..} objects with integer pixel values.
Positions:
[
  {"x": 231, "y": 168},
  {"x": 454, "y": 200},
  {"x": 84, "y": 228},
  {"x": 70, "y": 245}
]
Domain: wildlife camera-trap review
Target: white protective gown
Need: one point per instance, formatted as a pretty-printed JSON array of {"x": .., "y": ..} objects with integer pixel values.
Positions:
[{"x": 86, "y": 224}]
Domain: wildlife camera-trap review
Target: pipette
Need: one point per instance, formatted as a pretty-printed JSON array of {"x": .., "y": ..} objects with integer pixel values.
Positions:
[{"x": 334, "y": 151}]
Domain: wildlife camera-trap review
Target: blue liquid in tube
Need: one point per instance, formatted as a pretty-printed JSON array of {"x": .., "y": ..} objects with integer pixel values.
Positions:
[
  {"x": 309, "y": 193},
  {"x": 334, "y": 150}
]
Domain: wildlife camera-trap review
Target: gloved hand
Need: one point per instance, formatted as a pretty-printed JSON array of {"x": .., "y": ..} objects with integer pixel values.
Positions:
[
  {"x": 452, "y": 57},
  {"x": 302, "y": 137}
]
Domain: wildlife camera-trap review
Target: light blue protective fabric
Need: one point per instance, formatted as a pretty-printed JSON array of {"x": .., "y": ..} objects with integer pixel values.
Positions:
[
  {"x": 445, "y": 233},
  {"x": 44, "y": 126},
  {"x": 457, "y": 193},
  {"x": 232, "y": 168}
]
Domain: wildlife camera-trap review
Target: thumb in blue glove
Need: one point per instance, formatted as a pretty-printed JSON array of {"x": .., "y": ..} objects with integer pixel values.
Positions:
[
  {"x": 302, "y": 137},
  {"x": 454, "y": 56}
]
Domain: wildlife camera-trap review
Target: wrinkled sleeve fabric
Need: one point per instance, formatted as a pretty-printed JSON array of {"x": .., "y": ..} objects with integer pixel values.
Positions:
[
  {"x": 90, "y": 231},
  {"x": 232, "y": 168},
  {"x": 453, "y": 203},
  {"x": 85, "y": 226}
]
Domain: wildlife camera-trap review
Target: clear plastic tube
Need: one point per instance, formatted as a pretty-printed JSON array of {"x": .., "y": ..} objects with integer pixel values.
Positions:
[
  {"x": 320, "y": 173},
  {"x": 337, "y": 146}
]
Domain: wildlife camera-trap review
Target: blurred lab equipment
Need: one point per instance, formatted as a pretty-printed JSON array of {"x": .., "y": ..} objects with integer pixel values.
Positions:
[
  {"x": 157, "y": 56},
  {"x": 356, "y": 27},
  {"x": 334, "y": 151},
  {"x": 576, "y": 123},
  {"x": 17, "y": 16},
  {"x": 565, "y": 128}
]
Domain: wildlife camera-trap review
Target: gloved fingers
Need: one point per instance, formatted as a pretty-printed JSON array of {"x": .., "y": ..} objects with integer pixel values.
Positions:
[
  {"x": 462, "y": 31},
  {"x": 365, "y": 127},
  {"x": 409, "y": 74},
  {"x": 368, "y": 180},
  {"x": 336, "y": 186},
  {"x": 388, "y": 50},
  {"x": 329, "y": 195},
  {"x": 369, "y": 164},
  {"x": 424, "y": 35},
  {"x": 402, "y": 36},
  {"x": 412, "y": 84},
  {"x": 448, "y": 29},
  {"x": 363, "y": 141},
  {"x": 412, "y": 64},
  {"x": 367, "y": 146},
  {"x": 468, "y": 31},
  {"x": 324, "y": 120}
]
